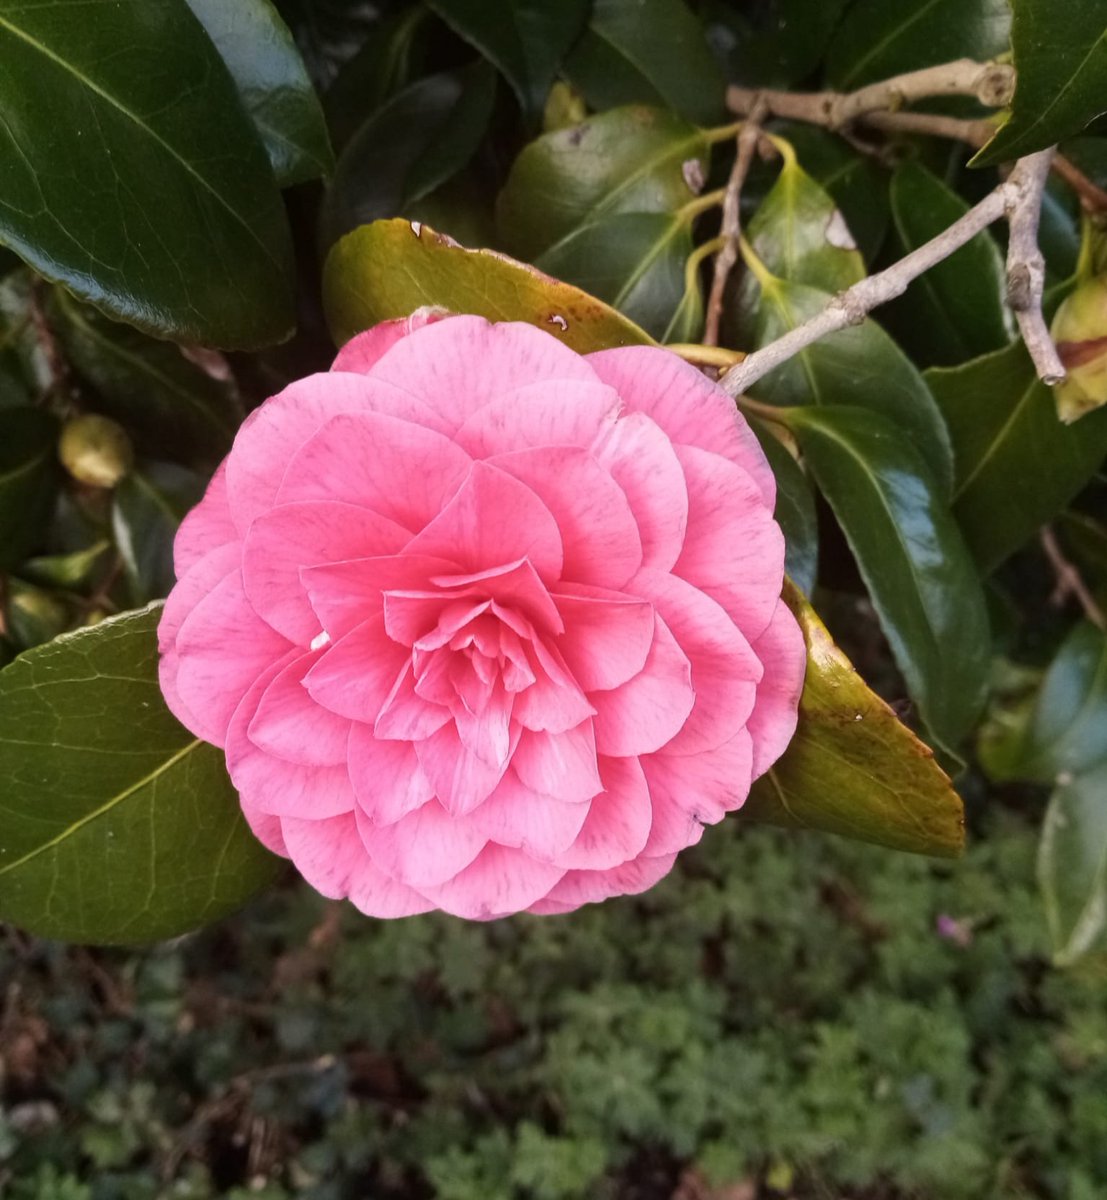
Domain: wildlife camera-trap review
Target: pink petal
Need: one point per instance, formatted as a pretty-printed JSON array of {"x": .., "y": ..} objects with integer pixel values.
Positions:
[
  {"x": 292, "y": 536},
  {"x": 554, "y": 702},
  {"x": 725, "y": 671},
  {"x": 651, "y": 708},
  {"x": 362, "y": 351},
  {"x": 516, "y": 816},
  {"x": 708, "y": 785},
  {"x": 553, "y": 412},
  {"x": 355, "y": 675},
  {"x": 405, "y": 716},
  {"x": 222, "y": 647},
  {"x": 388, "y": 781},
  {"x": 618, "y": 821},
  {"x": 673, "y": 828},
  {"x": 734, "y": 550},
  {"x": 425, "y": 848},
  {"x": 589, "y": 887},
  {"x": 374, "y": 894},
  {"x": 599, "y": 535},
  {"x": 403, "y": 471},
  {"x": 492, "y": 521},
  {"x": 560, "y": 765},
  {"x": 607, "y": 635},
  {"x": 461, "y": 779},
  {"x": 206, "y": 527},
  {"x": 515, "y": 585},
  {"x": 776, "y": 712},
  {"x": 691, "y": 409},
  {"x": 643, "y": 462},
  {"x": 202, "y": 578},
  {"x": 499, "y": 882},
  {"x": 429, "y": 619},
  {"x": 487, "y": 733},
  {"x": 266, "y": 828},
  {"x": 291, "y": 725}
]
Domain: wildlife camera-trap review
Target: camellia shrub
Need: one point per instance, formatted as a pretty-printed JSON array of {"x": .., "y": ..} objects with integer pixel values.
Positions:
[{"x": 430, "y": 434}]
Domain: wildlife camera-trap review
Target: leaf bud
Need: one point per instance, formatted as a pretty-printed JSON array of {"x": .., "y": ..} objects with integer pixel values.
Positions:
[{"x": 96, "y": 450}]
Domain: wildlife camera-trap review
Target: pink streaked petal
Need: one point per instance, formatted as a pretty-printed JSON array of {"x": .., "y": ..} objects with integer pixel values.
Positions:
[
  {"x": 361, "y": 352},
  {"x": 775, "y": 713},
  {"x": 554, "y": 702},
  {"x": 651, "y": 708},
  {"x": 554, "y": 412},
  {"x": 599, "y": 534},
  {"x": 734, "y": 550},
  {"x": 461, "y": 779},
  {"x": 428, "y": 619},
  {"x": 388, "y": 781},
  {"x": 291, "y": 725},
  {"x": 725, "y": 670},
  {"x": 405, "y": 716},
  {"x": 673, "y": 828},
  {"x": 292, "y": 536},
  {"x": 222, "y": 647},
  {"x": 589, "y": 887},
  {"x": 708, "y": 785},
  {"x": 266, "y": 828},
  {"x": 618, "y": 821},
  {"x": 343, "y": 594},
  {"x": 515, "y": 585},
  {"x": 205, "y": 527},
  {"x": 607, "y": 635},
  {"x": 643, "y": 462},
  {"x": 425, "y": 848},
  {"x": 491, "y": 521},
  {"x": 691, "y": 409},
  {"x": 499, "y": 882},
  {"x": 355, "y": 675},
  {"x": 561, "y": 765},
  {"x": 403, "y": 471},
  {"x": 487, "y": 732},
  {"x": 203, "y": 577},
  {"x": 516, "y": 816},
  {"x": 376, "y": 895},
  {"x": 458, "y": 365}
]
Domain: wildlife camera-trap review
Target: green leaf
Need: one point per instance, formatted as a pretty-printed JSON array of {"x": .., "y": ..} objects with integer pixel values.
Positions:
[
  {"x": 29, "y": 476},
  {"x": 171, "y": 406},
  {"x": 955, "y": 310},
  {"x": 1072, "y": 864},
  {"x": 1060, "y": 64},
  {"x": 859, "y": 366},
  {"x": 422, "y": 137},
  {"x": 74, "y": 571},
  {"x": 26, "y": 372},
  {"x": 800, "y": 235},
  {"x": 795, "y": 510},
  {"x": 34, "y": 616},
  {"x": 779, "y": 44},
  {"x": 647, "y": 52},
  {"x": 911, "y": 556},
  {"x": 1016, "y": 465},
  {"x": 525, "y": 39},
  {"x": 628, "y": 160},
  {"x": 118, "y": 825},
  {"x": 877, "y": 40},
  {"x": 274, "y": 86},
  {"x": 390, "y": 268},
  {"x": 147, "y": 508},
  {"x": 130, "y": 173},
  {"x": 852, "y": 768}
]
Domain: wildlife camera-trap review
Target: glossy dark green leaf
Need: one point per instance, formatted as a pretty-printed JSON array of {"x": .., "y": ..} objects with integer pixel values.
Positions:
[
  {"x": 860, "y": 366},
  {"x": 147, "y": 508},
  {"x": 526, "y": 39},
  {"x": 911, "y": 556},
  {"x": 629, "y": 160},
  {"x": 26, "y": 371},
  {"x": 774, "y": 44},
  {"x": 1059, "y": 232},
  {"x": 390, "y": 268},
  {"x": 130, "y": 172},
  {"x": 647, "y": 52},
  {"x": 852, "y": 768},
  {"x": 1061, "y": 64},
  {"x": 1016, "y": 465},
  {"x": 330, "y": 32},
  {"x": 169, "y": 405},
  {"x": 1072, "y": 864},
  {"x": 877, "y": 39},
  {"x": 34, "y": 615},
  {"x": 795, "y": 511},
  {"x": 273, "y": 83},
  {"x": 29, "y": 477},
  {"x": 75, "y": 571},
  {"x": 956, "y": 310},
  {"x": 118, "y": 825},
  {"x": 416, "y": 141}
]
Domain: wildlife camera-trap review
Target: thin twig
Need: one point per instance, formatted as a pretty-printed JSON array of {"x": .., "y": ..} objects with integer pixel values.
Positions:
[
  {"x": 1069, "y": 580},
  {"x": 975, "y": 133},
  {"x": 748, "y": 137},
  {"x": 1092, "y": 196},
  {"x": 851, "y": 306},
  {"x": 1026, "y": 266}
]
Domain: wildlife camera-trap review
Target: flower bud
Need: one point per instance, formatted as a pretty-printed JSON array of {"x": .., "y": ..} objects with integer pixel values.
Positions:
[
  {"x": 1080, "y": 334},
  {"x": 95, "y": 450}
]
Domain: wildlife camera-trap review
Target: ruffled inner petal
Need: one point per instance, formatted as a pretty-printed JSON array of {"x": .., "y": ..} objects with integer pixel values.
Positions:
[{"x": 290, "y": 725}]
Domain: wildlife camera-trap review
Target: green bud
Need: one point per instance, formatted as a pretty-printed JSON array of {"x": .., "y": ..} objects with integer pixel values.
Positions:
[
  {"x": 564, "y": 107},
  {"x": 1080, "y": 335},
  {"x": 95, "y": 450}
]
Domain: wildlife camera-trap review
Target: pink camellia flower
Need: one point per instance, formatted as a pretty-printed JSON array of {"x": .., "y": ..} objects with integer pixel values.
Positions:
[{"x": 483, "y": 624}]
